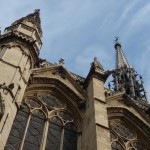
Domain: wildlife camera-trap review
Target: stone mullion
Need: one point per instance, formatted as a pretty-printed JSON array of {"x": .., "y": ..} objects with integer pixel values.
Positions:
[
  {"x": 62, "y": 139},
  {"x": 25, "y": 131},
  {"x": 44, "y": 136},
  {"x": 79, "y": 141}
]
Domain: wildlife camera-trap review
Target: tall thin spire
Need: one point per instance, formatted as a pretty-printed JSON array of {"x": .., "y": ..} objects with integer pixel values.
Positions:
[
  {"x": 28, "y": 31},
  {"x": 126, "y": 78},
  {"x": 120, "y": 57},
  {"x": 34, "y": 18}
]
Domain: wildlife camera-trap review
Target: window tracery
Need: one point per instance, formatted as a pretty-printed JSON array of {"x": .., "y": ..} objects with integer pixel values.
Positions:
[
  {"x": 123, "y": 138},
  {"x": 116, "y": 146},
  {"x": 34, "y": 131},
  {"x": 135, "y": 145},
  {"x": 50, "y": 101},
  {"x": 36, "y": 122}
]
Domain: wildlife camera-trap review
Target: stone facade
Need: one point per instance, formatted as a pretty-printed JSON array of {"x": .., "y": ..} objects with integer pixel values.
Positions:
[{"x": 92, "y": 117}]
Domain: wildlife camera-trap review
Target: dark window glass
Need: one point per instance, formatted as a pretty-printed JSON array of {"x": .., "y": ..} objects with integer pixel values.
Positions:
[
  {"x": 123, "y": 131},
  {"x": 53, "y": 137},
  {"x": 71, "y": 127},
  {"x": 17, "y": 131},
  {"x": 116, "y": 146},
  {"x": 50, "y": 101},
  {"x": 34, "y": 133},
  {"x": 66, "y": 117},
  {"x": 61, "y": 137},
  {"x": 70, "y": 140},
  {"x": 33, "y": 103},
  {"x": 28, "y": 127},
  {"x": 137, "y": 146}
]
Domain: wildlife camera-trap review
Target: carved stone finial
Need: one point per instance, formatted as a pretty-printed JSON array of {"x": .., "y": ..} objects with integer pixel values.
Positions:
[
  {"x": 61, "y": 61},
  {"x": 97, "y": 64},
  {"x": 34, "y": 18}
]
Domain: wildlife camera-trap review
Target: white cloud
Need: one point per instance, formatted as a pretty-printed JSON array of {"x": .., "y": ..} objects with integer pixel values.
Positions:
[
  {"x": 139, "y": 19},
  {"x": 85, "y": 58},
  {"x": 79, "y": 30}
]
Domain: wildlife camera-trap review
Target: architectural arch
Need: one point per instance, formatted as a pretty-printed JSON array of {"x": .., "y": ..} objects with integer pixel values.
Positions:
[
  {"x": 39, "y": 125},
  {"x": 58, "y": 89},
  {"x": 59, "y": 85},
  {"x": 127, "y": 130}
]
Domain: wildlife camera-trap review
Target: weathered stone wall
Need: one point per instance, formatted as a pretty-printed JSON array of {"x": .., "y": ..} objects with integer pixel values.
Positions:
[
  {"x": 101, "y": 118},
  {"x": 89, "y": 128},
  {"x": 13, "y": 65},
  {"x": 96, "y": 134}
]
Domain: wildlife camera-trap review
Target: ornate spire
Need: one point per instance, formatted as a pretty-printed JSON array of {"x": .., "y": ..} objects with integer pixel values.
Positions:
[
  {"x": 120, "y": 57},
  {"x": 126, "y": 78},
  {"x": 34, "y": 18},
  {"x": 26, "y": 31}
]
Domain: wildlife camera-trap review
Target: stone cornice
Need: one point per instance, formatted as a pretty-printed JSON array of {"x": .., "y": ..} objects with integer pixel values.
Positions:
[
  {"x": 55, "y": 82},
  {"x": 96, "y": 73},
  {"x": 120, "y": 112},
  {"x": 127, "y": 101},
  {"x": 59, "y": 70}
]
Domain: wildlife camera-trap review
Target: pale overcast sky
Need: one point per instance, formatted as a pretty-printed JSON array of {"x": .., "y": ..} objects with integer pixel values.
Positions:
[{"x": 79, "y": 30}]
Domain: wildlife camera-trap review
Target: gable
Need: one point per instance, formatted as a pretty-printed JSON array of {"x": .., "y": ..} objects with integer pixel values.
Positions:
[
  {"x": 60, "y": 78},
  {"x": 121, "y": 100}
]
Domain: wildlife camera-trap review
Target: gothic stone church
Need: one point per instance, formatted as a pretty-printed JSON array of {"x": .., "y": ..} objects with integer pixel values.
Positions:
[{"x": 44, "y": 106}]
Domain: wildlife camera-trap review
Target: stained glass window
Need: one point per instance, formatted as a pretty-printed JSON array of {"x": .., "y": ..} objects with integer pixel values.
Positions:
[
  {"x": 50, "y": 101},
  {"x": 123, "y": 131},
  {"x": 116, "y": 146},
  {"x": 137, "y": 146},
  {"x": 17, "y": 131},
  {"x": 70, "y": 137},
  {"x": 31, "y": 127},
  {"x": 123, "y": 138},
  {"x": 54, "y": 135},
  {"x": 61, "y": 136},
  {"x": 34, "y": 133}
]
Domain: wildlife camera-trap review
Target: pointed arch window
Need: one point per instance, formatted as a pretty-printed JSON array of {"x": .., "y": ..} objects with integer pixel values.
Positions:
[
  {"x": 26, "y": 132},
  {"x": 15, "y": 136},
  {"x": 33, "y": 129},
  {"x": 62, "y": 133},
  {"x": 122, "y": 138},
  {"x": 34, "y": 132}
]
